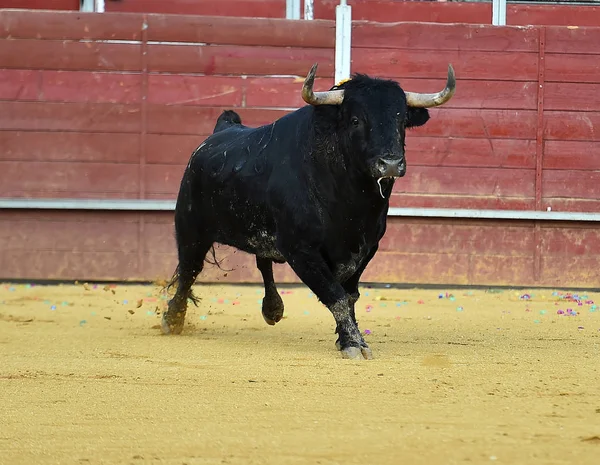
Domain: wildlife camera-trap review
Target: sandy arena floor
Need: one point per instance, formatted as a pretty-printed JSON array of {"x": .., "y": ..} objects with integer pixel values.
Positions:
[{"x": 472, "y": 377}]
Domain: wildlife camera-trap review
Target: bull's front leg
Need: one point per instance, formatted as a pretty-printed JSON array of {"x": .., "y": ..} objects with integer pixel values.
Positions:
[{"x": 312, "y": 269}]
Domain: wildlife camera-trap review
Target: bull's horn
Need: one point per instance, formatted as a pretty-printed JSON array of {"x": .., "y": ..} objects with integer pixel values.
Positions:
[
  {"x": 332, "y": 97},
  {"x": 416, "y": 100}
]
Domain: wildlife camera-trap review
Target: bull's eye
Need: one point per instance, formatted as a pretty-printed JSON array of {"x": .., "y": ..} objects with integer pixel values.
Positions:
[{"x": 354, "y": 121}]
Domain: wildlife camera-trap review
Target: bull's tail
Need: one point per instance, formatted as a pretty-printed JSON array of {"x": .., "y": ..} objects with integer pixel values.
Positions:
[
  {"x": 212, "y": 260},
  {"x": 227, "y": 119}
]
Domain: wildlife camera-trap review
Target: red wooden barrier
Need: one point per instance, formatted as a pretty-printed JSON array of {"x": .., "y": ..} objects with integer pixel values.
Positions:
[{"x": 116, "y": 115}]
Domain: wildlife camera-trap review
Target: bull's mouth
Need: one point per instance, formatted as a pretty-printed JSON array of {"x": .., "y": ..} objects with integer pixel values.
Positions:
[{"x": 387, "y": 177}]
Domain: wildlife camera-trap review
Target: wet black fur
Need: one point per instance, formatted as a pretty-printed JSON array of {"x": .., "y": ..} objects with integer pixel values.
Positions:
[{"x": 300, "y": 190}]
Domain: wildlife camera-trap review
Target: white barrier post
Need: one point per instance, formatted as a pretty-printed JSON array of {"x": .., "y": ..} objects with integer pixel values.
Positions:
[
  {"x": 308, "y": 10},
  {"x": 343, "y": 40},
  {"x": 292, "y": 9},
  {"x": 499, "y": 12}
]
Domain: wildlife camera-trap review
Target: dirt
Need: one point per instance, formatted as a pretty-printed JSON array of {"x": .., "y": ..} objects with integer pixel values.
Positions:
[{"x": 476, "y": 376}]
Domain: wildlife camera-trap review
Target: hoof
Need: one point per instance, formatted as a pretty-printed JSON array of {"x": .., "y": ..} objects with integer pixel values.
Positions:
[
  {"x": 338, "y": 345},
  {"x": 352, "y": 353},
  {"x": 367, "y": 353},
  {"x": 272, "y": 320},
  {"x": 172, "y": 324}
]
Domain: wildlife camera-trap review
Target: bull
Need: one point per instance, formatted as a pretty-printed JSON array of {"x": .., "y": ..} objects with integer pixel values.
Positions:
[{"x": 311, "y": 189}]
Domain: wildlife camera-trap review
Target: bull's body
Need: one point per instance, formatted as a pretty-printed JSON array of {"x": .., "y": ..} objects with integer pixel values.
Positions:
[{"x": 295, "y": 191}]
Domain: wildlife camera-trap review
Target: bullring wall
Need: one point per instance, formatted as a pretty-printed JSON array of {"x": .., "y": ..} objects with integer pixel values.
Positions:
[{"x": 111, "y": 106}]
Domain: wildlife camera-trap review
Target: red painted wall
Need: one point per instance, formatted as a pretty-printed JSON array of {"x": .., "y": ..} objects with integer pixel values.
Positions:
[
  {"x": 119, "y": 119},
  {"x": 373, "y": 10}
]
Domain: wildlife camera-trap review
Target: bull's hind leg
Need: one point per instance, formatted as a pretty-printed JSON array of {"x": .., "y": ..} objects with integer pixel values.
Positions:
[
  {"x": 191, "y": 262},
  {"x": 272, "y": 305}
]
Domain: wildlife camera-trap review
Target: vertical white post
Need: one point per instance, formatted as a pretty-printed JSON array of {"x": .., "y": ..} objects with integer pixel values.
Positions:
[
  {"x": 499, "y": 12},
  {"x": 100, "y": 6},
  {"x": 343, "y": 40},
  {"x": 87, "y": 6},
  {"x": 292, "y": 9},
  {"x": 308, "y": 9}
]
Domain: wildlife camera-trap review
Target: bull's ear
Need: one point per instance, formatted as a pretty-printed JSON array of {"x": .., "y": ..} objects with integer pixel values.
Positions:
[{"x": 417, "y": 117}]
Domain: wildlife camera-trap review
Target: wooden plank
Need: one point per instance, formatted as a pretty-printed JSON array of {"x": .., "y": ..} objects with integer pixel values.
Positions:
[
  {"x": 563, "y": 125},
  {"x": 470, "y": 237},
  {"x": 406, "y": 267},
  {"x": 19, "y": 84},
  {"x": 474, "y": 153},
  {"x": 573, "y": 40},
  {"x": 195, "y": 90},
  {"x": 250, "y": 8},
  {"x": 279, "y": 92},
  {"x": 171, "y": 149},
  {"x": 84, "y": 86},
  {"x": 498, "y": 270},
  {"x": 557, "y": 15},
  {"x": 163, "y": 179},
  {"x": 68, "y": 179},
  {"x": 571, "y": 205},
  {"x": 72, "y": 5},
  {"x": 58, "y": 265},
  {"x": 495, "y": 182},
  {"x": 572, "y": 155},
  {"x": 568, "y": 96},
  {"x": 70, "y": 55},
  {"x": 575, "y": 272},
  {"x": 493, "y": 94},
  {"x": 571, "y": 183},
  {"x": 392, "y": 11},
  {"x": 570, "y": 240},
  {"x": 70, "y": 86},
  {"x": 89, "y": 117},
  {"x": 194, "y": 120},
  {"x": 489, "y": 124},
  {"x": 54, "y": 25},
  {"x": 70, "y": 234},
  {"x": 461, "y": 201},
  {"x": 506, "y": 66},
  {"x": 253, "y": 31},
  {"x": 572, "y": 68},
  {"x": 227, "y": 59},
  {"x": 431, "y": 36},
  {"x": 28, "y": 146}
]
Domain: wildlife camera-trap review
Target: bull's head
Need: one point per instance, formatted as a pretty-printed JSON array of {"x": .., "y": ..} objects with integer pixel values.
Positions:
[{"x": 373, "y": 117}]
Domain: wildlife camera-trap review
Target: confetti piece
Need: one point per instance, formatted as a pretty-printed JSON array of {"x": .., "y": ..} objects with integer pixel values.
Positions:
[
  {"x": 542, "y": 312},
  {"x": 459, "y": 309},
  {"x": 367, "y": 331},
  {"x": 306, "y": 312},
  {"x": 369, "y": 308},
  {"x": 53, "y": 307},
  {"x": 149, "y": 313},
  {"x": 536, "y": 321},
  {"x": 236, "y": 302},
  {"x": 93, "y": 313},
  {"x": 420, "y": 302},
  {"x": 203, "y": 317},
  {"x": 82, "y": 322}
]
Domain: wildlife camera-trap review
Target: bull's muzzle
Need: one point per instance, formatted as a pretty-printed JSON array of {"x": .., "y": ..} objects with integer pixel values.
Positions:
[{"x": 391, "y": 168}]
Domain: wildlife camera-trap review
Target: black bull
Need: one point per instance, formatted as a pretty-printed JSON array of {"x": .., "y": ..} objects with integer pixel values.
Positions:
[{"x": 311, "y": 189}]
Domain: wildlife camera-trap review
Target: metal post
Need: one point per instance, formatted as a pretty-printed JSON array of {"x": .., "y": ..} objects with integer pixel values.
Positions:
[
  {"x": 292, "y": 9},
  {"x": 87, "y": 6},
  {"x": 308, "y": 10},
  {"x": 90, "y": 6},
  {"x": 343, "y": 40},
  {"x": 499, "y": 12}
]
